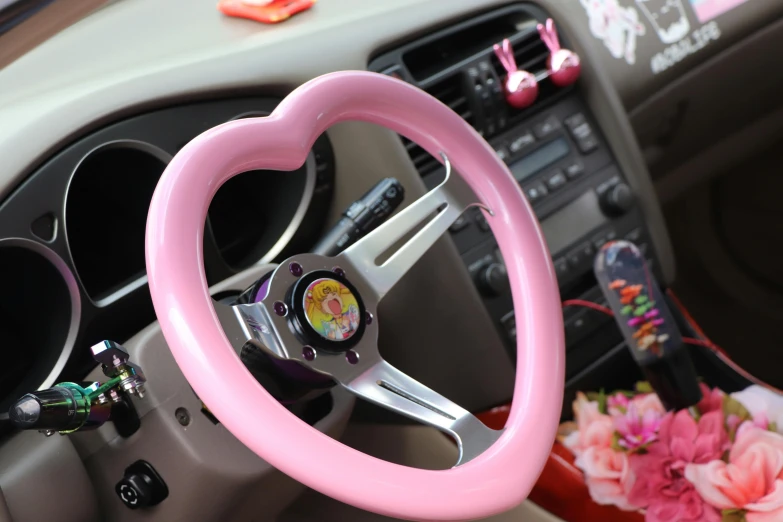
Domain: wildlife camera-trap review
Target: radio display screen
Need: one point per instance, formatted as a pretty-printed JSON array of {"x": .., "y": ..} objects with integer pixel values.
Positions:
[{"x": 540, "y": 159}]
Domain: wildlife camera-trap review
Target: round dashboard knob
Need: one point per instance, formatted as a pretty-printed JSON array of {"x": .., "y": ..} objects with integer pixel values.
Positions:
[
  {"x": 617, "y": 200},
  {"x": 493, "y": 280}
]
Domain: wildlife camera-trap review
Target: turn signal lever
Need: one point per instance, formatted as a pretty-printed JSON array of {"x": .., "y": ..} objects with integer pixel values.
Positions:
[
  {"x": 70, "y": 407},
  {"x": 647, "y": 324},
  {"x": 362, "y": 217}
]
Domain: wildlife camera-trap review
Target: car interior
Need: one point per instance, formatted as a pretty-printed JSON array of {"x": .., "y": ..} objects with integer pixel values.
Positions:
[{"x": 390, "y": 291}]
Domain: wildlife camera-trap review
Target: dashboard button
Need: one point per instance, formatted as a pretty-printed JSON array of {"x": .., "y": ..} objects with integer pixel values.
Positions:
[
  {"x": 459, "y": 224},
  {"x": 546, "y": 127},
  {"x": 634, "y": 235},
  {"x": 556, "y": 180},
  {"x": 141, "y": 486},
  {"x": 481, "y": 221},
  {"x": 561, "y": 268},
  {"x": 509, "y": 325},
  {"x": 587, "y": 145},
  {"x": 574, "y": 170},
  {"x": 575, "y": 120},
  {"x": 520, "y": 142},
  {"x": 581, "y": 256},
  {"x": 536, "y": 192},
  {"x": 604, "y": 238}
]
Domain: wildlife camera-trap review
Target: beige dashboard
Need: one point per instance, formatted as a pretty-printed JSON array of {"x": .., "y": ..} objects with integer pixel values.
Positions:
[{"x": 650, "y": 88}]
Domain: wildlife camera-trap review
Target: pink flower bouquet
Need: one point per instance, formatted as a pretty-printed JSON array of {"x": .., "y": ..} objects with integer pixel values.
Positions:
[{"x": 721, "y": 461}]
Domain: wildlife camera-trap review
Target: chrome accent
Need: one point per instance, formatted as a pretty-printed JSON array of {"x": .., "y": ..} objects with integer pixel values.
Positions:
[
  {"x": 142, "y": 146},
  {"x": 363, "y": 255},
  {"x": 76, "y": 302},
  {"x": 386, "y": 386},
  {"x": 371, "y": 377},
  {"x": 301, "y": 211}
]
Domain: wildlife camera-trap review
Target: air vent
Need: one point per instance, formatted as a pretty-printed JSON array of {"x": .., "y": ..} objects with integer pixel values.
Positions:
[{"x": 451, "y": 92}]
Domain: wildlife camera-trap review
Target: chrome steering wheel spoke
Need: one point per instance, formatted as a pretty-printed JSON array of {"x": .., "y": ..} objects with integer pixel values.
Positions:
[
  {"x": 441, "y": 207},
  {"x": 291, "y": 323},
  {"x": 386, "y": 386}
]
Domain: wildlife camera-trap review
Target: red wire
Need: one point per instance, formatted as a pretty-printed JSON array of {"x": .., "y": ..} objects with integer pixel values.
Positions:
[{"x": 603, "y": 309}]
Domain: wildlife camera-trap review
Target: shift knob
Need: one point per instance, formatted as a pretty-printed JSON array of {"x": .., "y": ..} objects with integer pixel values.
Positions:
[{"x": 647, "y": 324}]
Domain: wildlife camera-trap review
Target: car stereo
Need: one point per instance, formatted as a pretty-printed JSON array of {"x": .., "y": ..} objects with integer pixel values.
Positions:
[
  {"x": 554, "y": 149},
  {"x": 581, "y": 199}
]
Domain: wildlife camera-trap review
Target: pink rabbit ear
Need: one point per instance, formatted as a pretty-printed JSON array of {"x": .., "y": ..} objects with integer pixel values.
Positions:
[
  {"x": 505, "y": 54},
  {"x": 550, "y": 26},
  {"x": 548, "y": 35}
]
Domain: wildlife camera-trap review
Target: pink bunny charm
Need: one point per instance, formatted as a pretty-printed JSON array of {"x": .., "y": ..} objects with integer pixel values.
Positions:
[
  {"x": 521, "y": 87},
  {"x": 564, "y": 65}
]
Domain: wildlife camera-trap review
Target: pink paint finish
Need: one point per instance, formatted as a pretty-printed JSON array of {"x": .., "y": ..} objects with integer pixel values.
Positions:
[{"x": 495, "y": 481}]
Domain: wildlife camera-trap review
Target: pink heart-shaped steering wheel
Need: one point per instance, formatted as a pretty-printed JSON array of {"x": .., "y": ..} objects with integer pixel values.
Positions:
[{"x": 319, "y": 311}]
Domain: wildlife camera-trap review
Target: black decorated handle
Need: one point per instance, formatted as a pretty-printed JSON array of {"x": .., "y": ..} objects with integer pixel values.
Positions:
[{"x": 646, "y": 323}]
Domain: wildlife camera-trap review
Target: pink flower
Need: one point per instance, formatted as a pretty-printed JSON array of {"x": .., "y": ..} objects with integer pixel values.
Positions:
[
  {"x": 617, "y": 404},
  {"x": 752, "y": 480},
  {"x": 760, "y": 401},
  {"x": 711, "y": 400},
  {"x": 659, "y": 483},
  {"x": 606, "y": 470},
  {"x": 607, "y": 476},
  {"x": 648, "y": 402},
  {"x": 637, "y": 430},
  {"x": 594, "y": 429}
]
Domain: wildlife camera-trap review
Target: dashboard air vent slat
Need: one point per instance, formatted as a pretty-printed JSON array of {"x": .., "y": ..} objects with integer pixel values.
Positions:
[{"x": 451, "y": 92}]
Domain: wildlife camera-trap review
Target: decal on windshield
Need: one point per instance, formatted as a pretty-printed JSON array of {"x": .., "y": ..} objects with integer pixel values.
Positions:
[{"x": 616, "y": 25}]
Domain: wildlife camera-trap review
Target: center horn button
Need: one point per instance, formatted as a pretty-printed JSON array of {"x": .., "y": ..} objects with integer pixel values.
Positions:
[{"x": 328, "y": 312}]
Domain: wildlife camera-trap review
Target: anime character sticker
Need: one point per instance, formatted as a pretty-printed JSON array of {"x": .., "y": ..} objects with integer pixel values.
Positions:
[
  {"x": 616, "y": 25},
  {"x": 331, "y": 309},
  {"x": 668, "y": 18}
]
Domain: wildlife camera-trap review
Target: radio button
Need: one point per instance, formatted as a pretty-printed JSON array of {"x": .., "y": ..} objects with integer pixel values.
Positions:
[
  {"x": 588, "y": 144},
  {"x": 459, "y": 224},
  {"x": 536, "y": 192},
  {"x": 520, "y": 142},
  {"x": 634, "y": 235},
  {"x": 604, "y": 238},
  {"x": 575, "y": 121},
  {"x": 481, "y": 221},
  {"x": 581, "y": 256},
  {"x": 561, "y": 268},
  {"x": 556, "y": 180},
  {"x": 574, "y": 170},
  {"x": 546, "y": 127}
]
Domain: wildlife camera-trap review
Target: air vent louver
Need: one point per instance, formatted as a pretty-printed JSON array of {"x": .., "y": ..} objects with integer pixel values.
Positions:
[{"x": 451, "y": 92}]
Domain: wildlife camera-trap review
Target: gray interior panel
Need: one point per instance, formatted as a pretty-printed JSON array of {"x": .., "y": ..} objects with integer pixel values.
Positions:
[
  {"x": 44, "y": 479},
  {"x": 209, "y": 473},
  {"x": 135, "y": 56}
]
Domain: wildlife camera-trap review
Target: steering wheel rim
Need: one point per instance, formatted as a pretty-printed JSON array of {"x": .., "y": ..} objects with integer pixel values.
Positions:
[{"x": 495, "y": 481}]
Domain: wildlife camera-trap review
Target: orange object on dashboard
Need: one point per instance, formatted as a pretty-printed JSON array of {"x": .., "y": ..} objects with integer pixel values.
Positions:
[{"x": 265, "y": 11}]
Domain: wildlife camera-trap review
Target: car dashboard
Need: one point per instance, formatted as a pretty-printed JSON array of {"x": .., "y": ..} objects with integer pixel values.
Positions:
[{"x": 90, "y": 119}]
